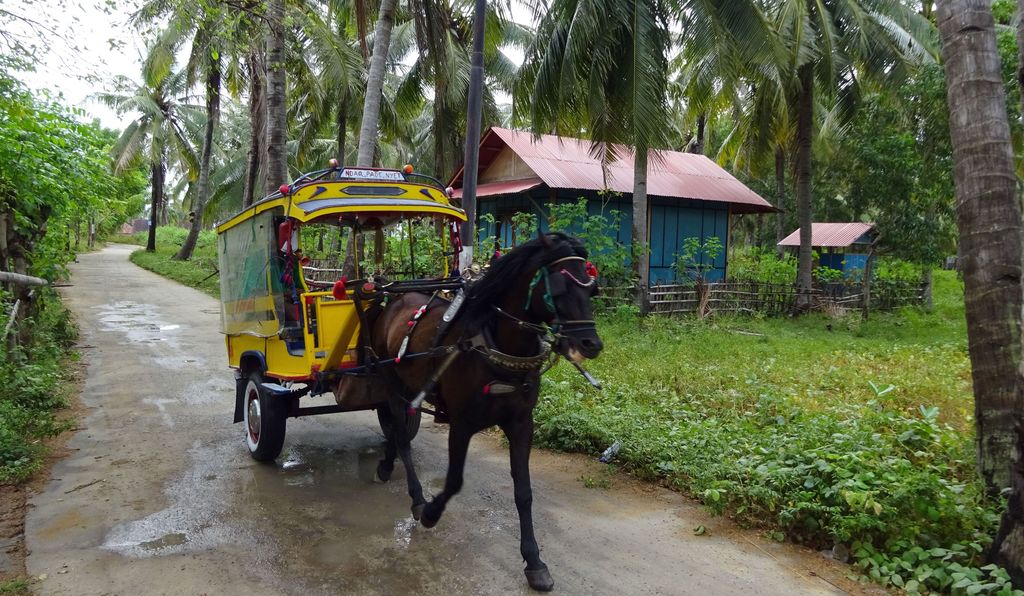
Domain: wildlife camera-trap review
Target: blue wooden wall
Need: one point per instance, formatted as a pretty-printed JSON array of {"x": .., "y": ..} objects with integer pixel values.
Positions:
[{"x": 672, "y": 221}]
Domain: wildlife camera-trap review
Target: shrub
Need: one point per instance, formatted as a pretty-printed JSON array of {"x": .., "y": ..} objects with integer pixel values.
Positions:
[
  {"x": 599, "y": 234},
  {"x": 763, "y": 266},
  {"x": 32, "y": 389}
]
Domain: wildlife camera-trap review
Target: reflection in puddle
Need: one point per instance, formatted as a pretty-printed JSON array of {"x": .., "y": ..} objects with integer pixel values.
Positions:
[
  {"x": 174, "y": 539},
  {"x": 403, "y": 531},
  {"x": 316, "y": 513},
  {"x": 197, "y": 517}
]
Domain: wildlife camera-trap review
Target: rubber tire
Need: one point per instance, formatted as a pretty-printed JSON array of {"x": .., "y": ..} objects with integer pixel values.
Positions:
[
  {"x": 265, "y": 441},
  {"x": 412, "y": 425}
]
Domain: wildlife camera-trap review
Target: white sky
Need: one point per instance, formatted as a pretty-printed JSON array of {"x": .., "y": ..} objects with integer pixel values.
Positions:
[
  {"x": 85, "y": 49},
  {"x": 88, "y": 44}
]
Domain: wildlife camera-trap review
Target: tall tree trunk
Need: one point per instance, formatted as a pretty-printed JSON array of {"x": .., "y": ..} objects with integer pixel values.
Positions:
[
  {"x": 277, "y": 114},
  {"x": 156, "y": 181},
  {"x": 699, "y": 139},
  {"x": 780, "y": 200},
  {"x": 641, "y": 244},
  {"x": 1020, "y": 53},
  {"x": 375, "y": 83},
  {"x": 342, "y": 123},
  {"x": 203, "y": 190},
  {"x": 258, "y": 122},
  {"x": 804, "y": 132},
  {"x": 6, "y": 224},
  {"x": 989, "y": 221}
]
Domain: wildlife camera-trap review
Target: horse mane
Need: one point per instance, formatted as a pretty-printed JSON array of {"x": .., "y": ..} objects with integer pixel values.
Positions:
[{"x": 506, "y": 269}]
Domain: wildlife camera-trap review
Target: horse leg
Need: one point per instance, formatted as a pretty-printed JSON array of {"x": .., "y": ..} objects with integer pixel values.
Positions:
[
  {"x": 520, "y": 440},
  {"x": 458, "y": 445},
  {"x": 404, "y": 445},
  {"x": 387, "y": 464}
]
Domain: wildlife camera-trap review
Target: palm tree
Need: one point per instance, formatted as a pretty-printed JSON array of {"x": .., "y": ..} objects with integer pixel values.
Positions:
[
  {"x": 827, "y": 47},
  {"x": 277, "y": 109},
  {"x": 720, "y": 79},
  {"x": 375, "y": 83},
  {"x": 329, "y": 75},
  {"x": 441, "y": 31},
  {"x": 160, "y": 132},
  {"x": 989, "y": 220},
  {"x": 602, "y": 67},
  {"x": 215, "y": 35}
]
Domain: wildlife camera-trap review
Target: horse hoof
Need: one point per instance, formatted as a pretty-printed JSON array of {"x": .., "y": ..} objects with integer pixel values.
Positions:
[
  {"x": 417, "y": 511},
  {"x": 428, "y": 518},
  {"x": 539, "y": 579},
  {"x": 382, "y": 474}
]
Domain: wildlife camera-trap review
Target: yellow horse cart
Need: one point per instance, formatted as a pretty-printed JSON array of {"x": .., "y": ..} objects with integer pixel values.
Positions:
[{"x": 298, "y": 269}]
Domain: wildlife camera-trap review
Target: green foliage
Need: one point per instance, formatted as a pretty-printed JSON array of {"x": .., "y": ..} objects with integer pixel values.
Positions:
[
  {"x": 174, "y": 237},
  {"x": 821, "y": 431},
  {"x": 761, "y": 265},
  {"x": 898, "y": 270},
  {"x": 55, "y": 179},
  {"x": 696, "y": 258},
  {"x": 34, "y": 386},
  {"x": 598, "y": 233},
  {"x": 15, "y": 586},
  {"x": 827, "y": 275},
  {"x": 199, "y": 272},
  {"x": 55, "y": 176},
  {"x": 893, "y": 166}
]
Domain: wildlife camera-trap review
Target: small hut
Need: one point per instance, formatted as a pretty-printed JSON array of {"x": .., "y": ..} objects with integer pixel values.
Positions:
[
  {"x": 689, "y": 195},
  {"x": 841, "y": 246}
]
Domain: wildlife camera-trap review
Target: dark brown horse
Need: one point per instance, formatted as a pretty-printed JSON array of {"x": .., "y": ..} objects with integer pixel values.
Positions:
[{"x": 497, "y": 350}]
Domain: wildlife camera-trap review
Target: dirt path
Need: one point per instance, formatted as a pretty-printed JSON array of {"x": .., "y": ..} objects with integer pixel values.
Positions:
[{"x": 159, "y": 495}]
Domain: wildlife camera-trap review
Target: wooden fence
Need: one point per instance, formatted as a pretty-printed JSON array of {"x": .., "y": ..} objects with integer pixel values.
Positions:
[{"x": 756, "y": 297}]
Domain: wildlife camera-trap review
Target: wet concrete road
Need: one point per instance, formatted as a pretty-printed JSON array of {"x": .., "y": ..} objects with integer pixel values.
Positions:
[{"x": 160, "y": 496}]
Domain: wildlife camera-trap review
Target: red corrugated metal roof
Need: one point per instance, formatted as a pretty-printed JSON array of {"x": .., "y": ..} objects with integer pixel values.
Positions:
[
  {"x": 564, "y": 162},
  {"x": 830, "y": 234},
  {"x": 502, "y": 188}
]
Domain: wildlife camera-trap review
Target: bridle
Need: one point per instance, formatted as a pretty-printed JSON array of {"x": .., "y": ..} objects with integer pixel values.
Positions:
[{"x": 555, "y": 281}]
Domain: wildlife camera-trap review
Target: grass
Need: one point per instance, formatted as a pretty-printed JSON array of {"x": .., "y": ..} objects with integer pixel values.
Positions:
[
  {"x": 199, "y": 272},
  {"x": 36, "y": 380},
  {"x": 821, "y": 430},
  {"x": 15, "y": 587},
  {"x": 824, "y": 431}
]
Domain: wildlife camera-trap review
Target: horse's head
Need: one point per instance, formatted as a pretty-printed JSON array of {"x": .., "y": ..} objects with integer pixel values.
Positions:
[{"x": 559, "y": 295}]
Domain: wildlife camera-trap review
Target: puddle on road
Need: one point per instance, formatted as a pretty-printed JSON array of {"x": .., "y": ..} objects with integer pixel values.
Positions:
[
  {"x": 197, "y": 517},
  {"x": 315, "y": 520},
  {"x": 318, "y": 506},
  {"x": 175, "y": 539},
  {"x": 141, "y": 325}
]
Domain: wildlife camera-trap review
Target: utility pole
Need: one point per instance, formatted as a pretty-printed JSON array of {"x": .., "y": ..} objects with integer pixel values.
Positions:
[{"x": 473, "y": 117}]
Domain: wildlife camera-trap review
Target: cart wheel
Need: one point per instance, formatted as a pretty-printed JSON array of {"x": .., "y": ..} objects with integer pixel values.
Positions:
[
  {"x": 264, "y": 421},
  {"x": 412, "y": 424}
]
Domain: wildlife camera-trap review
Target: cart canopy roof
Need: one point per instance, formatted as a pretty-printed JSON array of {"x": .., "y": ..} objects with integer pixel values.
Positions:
[{"x": 350, "y": 191}]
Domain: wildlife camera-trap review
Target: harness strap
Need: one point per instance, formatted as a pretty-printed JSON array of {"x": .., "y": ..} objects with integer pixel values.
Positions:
[
  {"x": 481, "y": 344},
  {"x": 416, "y": 315}
]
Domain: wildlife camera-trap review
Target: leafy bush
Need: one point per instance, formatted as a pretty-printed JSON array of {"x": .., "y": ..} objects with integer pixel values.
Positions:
[
  {"x": 599, "y": 234},
  {"x": 827, "y": 275},
  {"x": 775, "y": 422},
  {"x": 763, "y": 266},
  {"x": 34, "y": 378},
  {"x": 173, "y": 236},
  {"x": 892, "y": 269},
  {"x": 697, "y": 258}
]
